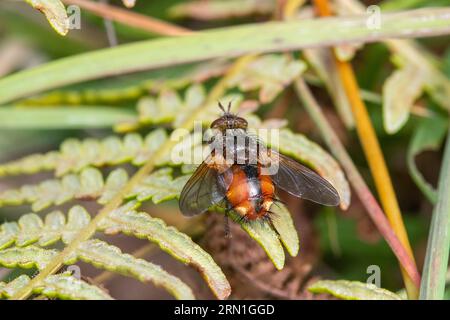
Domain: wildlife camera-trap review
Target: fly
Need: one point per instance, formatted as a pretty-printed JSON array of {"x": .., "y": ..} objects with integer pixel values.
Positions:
[{"x": 240, "y": 173}]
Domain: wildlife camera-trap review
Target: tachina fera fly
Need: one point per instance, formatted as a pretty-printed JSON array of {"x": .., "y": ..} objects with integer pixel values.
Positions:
[{"x": 244, "y": 179}]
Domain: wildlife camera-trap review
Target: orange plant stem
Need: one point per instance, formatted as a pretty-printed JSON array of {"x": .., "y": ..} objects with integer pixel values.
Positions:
[{"x": 373, "y": 153}]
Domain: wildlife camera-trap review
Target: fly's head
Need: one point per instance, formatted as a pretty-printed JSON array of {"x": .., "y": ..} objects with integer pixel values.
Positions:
[{"x": 229, "y": 120}]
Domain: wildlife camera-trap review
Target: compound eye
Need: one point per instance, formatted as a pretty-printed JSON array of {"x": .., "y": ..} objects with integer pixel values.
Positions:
[{"x": 214, "y": 124}]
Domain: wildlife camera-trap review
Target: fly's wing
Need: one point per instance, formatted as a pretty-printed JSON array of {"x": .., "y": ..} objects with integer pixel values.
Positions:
[
  {"x": 204, "y": 189},
  {"x": 302, "y": 182},
  {"x": 286, "y": 173}
]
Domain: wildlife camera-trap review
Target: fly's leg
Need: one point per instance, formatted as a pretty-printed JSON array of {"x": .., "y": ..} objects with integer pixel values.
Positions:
[
  {"x": 228, "y": 237},
  {"x": 226, "y": 221}
]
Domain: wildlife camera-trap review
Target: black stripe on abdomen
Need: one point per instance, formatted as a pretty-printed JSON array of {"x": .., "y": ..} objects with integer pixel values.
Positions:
[{"x": 254, "y": 186}]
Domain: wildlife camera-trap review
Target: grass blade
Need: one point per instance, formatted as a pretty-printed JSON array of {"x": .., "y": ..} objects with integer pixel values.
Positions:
[
  {"x": 234, "y": 41},
  {"x": 436, "y": 259},
  {"x": 63, "y": 117}
]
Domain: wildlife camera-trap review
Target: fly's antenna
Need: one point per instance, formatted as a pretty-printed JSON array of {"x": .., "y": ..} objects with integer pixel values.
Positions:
[
  {"x": 221, "y": 107},
  {"x": 227, "y": 111}
]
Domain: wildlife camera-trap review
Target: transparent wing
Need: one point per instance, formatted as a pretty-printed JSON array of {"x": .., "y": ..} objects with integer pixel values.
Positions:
[
  {"x": 300, "y": 181},
  {"x": 204, "y": 189},
  {"x": 285, "y": 172}
]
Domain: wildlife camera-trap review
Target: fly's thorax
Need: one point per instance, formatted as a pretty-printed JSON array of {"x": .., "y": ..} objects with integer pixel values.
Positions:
[{"x": 235, "y": 146}]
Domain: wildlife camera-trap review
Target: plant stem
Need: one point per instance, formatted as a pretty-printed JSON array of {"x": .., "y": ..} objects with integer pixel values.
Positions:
[
  {"x": 436, "y": 259},
  {"x": 110, "y": 29},
  {"x": 130, "y": 18},
  {"x": 362, "y": 190},
  {"x": 87, "y": 232},
  {"x": 373, "y": 153}
]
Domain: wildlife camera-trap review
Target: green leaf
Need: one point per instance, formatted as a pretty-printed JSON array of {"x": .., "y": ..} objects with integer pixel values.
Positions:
[
  {"x": 403, "y": 87},
  {"x": 269, "y": 74},
  {"x": 75, "y": 155},
  {"x": 235, "y": 41},
  {"x": 159, "y": 187},
  {"x": 438, "y": 248},
  {"x": 88, "y": 184},
  {"x": 161, "y": 110},
  {"x": 263, "y": 233},
  {"x": 30, "y": 164},
  {"x": 271, "y": 235},
  {"x": 60, "y": 286},
  {"x": 169, "y": 239},
  {"x": 169, "y": 108},
  {"x": 103, "y": 255},
  {"x": 437, "y": 84},
  {"x": 63, "y": 117},
  {"x": 8, "y": 290},
  {"x": 30, "y": 228},
  {"x": 55, "y": 13},
  {"x": 67, "y": 287},
  {"x": 283, "y": 224},
  {"x": 352, "y": 290},
  {"x": 128, "y": 88},
  {"x": 114, "y": 184},
  {"x": 428, "y": 136},
  {"x": 27, "y": 257},
  {"x": 8, "y": 233}
]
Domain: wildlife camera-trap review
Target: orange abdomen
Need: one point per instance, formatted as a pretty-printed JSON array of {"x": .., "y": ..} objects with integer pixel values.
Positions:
[{"x": 250, "y": 194}]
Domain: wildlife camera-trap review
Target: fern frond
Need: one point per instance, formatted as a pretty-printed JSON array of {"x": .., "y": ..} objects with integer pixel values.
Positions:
[
  {"x": 352, "y": 290},
  {"x": 89, "y": 184},
  {"x": 30, "y": 164},
  {"x": 169, "y": 239},
  {"x": 68, "y": 287},
  {"x": 101, "y": 255},
  {"x": 165, "y": 108},
  {"x": 26, "y": 257},
  {"x": 31, "y": 229},
  {"x": 74, "y": 155},
  {"x": 269, "y": 74},
  {"x": 8, "y": 290},
  {"x": 62, "y": 286},
  {"x": 105, "y": 256},
  {"x": 78, "y": 156},
  {"x": 284, "y": 225},
  {"x": 170, "y": 109},
  {"x": 115, "y": 90},
  {"x": 263, "y": 233},
  {"x": 159, "y": 187}
]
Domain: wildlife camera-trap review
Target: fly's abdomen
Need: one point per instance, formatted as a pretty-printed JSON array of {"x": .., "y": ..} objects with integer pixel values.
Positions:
[{"x": 249, "y": 193}]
